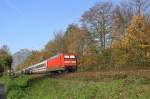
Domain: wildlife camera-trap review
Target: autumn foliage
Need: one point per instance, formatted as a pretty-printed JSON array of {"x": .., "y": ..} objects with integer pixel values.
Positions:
[{"x": 110, "y": 36}]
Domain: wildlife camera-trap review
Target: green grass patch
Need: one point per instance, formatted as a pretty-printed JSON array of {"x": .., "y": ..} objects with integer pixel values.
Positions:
[
  {"x": 16, "y": 88},
  {"x": 27, "y": 87}
]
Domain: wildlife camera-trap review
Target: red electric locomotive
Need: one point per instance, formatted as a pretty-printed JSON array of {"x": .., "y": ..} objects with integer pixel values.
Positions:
[{"x": 60, "y": 62}]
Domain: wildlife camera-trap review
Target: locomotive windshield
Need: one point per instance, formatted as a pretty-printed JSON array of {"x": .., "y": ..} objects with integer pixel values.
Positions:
[
  {"x": 69, "y": 56},
  {"x": 72, "y": 56}
]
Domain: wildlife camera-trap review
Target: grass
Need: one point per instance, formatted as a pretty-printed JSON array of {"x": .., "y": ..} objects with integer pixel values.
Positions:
[
  {"x": 15, "y": 87},
  {"x": 133, "y": 88},
  {"x": 87, "y": 85}
]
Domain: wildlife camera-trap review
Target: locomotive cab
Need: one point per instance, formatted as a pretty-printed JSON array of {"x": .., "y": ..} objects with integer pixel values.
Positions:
[{"x": 70, "y": 62}]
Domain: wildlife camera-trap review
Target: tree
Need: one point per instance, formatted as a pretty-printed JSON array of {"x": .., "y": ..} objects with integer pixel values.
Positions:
[
  {"x": 98, "y": 19},
  {"x": 76, "y": 39},
  {"x": 56, "y": 45},
  {"x": 122, "y": 15},
  {"x": 5, "y": 58},
  {"x": 135, "y": 33},
  {"x": 5, "y": 48},
  {"x": 135, "y": 41},
  {"x": 140, "y": 7}
]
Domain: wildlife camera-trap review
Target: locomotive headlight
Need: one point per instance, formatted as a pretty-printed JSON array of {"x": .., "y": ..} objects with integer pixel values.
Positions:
[
  {"x": 73, "y": 61},
  {"x": 66, "y": 61}
]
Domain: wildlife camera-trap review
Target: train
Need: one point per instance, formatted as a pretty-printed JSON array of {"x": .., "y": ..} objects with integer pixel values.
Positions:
[{"x": 59, "y": 63}]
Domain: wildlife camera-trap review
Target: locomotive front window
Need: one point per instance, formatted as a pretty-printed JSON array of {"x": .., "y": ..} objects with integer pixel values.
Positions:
[
  {"x": 72, "y": 56},
  {"x": 69, "y": 56},
  {"x": 66, "y": 56}
]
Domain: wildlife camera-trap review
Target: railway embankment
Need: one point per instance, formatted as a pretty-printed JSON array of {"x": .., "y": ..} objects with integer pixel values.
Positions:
[{"x": 129, "y": 84}]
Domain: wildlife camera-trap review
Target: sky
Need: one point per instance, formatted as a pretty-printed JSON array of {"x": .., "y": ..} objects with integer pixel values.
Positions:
[{"x": 31, "y": 23}]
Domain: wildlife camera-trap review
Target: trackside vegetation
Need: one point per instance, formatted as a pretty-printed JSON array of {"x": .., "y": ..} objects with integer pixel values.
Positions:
[{"x": 111, "y": 85}]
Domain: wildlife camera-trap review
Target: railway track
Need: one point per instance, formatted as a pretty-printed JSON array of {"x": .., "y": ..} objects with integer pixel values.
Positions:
[{"x": 99, "y": 76}]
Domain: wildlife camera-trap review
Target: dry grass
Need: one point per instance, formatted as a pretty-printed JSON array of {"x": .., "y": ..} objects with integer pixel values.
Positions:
[{"x": 107, "y": 75}]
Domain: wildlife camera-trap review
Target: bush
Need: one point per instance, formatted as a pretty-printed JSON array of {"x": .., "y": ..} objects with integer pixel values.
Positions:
[
  {"x": 16, "y": 88},
  {"x": 114, "y": 59}
]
